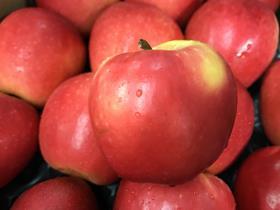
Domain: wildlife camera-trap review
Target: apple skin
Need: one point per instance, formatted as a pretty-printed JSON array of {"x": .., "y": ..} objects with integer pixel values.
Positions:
[
  {"x": 59, "y": 193},
  {"x": 18, "y": 137},
  {"x": 118, "y": 29},
  {"x": 270, "y": 102},
  {"x": 163, "y": 116},
  {"x": 257, "y": 185},
  {"x": 33, "y": 64},
  {"x": 204, "y": 192},
  {"x": 238, "y": 32},
  {"x": 82, "y": 13},
  {"x": 179, "y": 10},
  {"x": 67, "y": 141},
  {"x": 241, "y": 132},
  {"x": 273, "y": 4}
]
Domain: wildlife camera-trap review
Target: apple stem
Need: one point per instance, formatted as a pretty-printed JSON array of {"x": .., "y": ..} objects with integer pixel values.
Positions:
[{"x": 143, "y": 44}]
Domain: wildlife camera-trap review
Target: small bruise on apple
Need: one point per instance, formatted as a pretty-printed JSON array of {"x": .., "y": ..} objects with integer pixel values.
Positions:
[{"x": 212, "y": 64}]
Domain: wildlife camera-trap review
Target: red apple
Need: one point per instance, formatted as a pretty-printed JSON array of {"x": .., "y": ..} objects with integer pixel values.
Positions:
[
  {"x": 67, "y": 141},
  {"x": 270, "y": 103},
  {"x": 57, "y": 194},
  {"x": 237, "y": 30},
  {"x": 205, "y": 192},
  {"x": 257, "y": 185},
  {"x": 18, "y": 136},
  {"x": 119, "y": 28},
  {"x": 273, "y": 4},
  {"x": 179, "y": 10},
  {"x": 81, "y": 12},
  {"x": 241, "y": 132},
  {"x": 163, "y": 116},
  {"x": 38, "y": 50}
]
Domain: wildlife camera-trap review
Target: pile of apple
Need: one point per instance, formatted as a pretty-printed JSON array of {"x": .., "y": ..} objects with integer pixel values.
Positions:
[{"x": 149, "y": 94}]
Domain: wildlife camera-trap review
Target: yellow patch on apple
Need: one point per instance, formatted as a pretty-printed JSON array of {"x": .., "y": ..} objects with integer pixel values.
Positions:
[{"x": 212, "y": 64}]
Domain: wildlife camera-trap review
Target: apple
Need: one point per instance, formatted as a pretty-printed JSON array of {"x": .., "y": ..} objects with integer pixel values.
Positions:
[
  {"x": 241, "y": 132},
  {"x": 118, "y": 29},
  {"x": 18, "y": 136},
  {"x": 7, "y": 6},
  {"x": 57, "y": 194},
  {"x": 163, "y": 115},
  {"x": 179, "y": 10},
  {"x": 38, "y": 50},
  {"x": 204, "y": 192},
  {"x": 273, "y": 4},
  {"x": 237, "y": 31},
  {"x": 270, "y": 102},
  {"x": 81, "y": 13},
  {"x": 257, "y": 184},
  {"x": 67, "y": 141}
]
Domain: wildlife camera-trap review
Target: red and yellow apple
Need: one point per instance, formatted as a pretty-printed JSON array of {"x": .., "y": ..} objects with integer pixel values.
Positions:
[
  {"x": 18, "y": 136},
  {"x": 67, "y": 141},
  {"x": 163, "y": 115},
  {"x": 270, "y": 103},
  {"x": 82, "y": 13},
  {"x": 179, "y": 10},
  {"x": 257, "y": 185},
  {"x": 238, "y": 30},
  {"x": 57, "y": 194},
  {"x": 241, "y": 132},
  {"x": 118, "y": 29},
  {"x": 204, "y": 192},
  {"x": 38, "y": 50}
]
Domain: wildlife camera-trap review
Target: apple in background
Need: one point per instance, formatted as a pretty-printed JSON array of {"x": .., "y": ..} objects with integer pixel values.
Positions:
[
  {"x": 237, "y": 31},
  {"x": 38, "y": 50},
  {"x": 273, "y": 4},
  {"x": 205, "y": 192},
  {"x": 7, "y": 6},
  {"x": 82, "y": 13},
  {"x": 257, "y": 185},
  {"x": 241, "y": 132},
  {"x": 67, "y": 141},
  {"x": 179, "y": 10},
  {"x": 163, "y": 115},
  {"x": 18, "y": 136},
  {"x": 118, "y": 29},
  {"x": 270, "y": 103},
  {"x": 57, "y": 194}
]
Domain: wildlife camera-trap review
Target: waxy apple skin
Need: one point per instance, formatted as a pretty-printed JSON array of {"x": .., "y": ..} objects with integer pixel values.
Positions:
[
  {"x": 119, "y": 28},
  {"x": 38, "y": 50},
  {"x": 18, "y": 136},
  {"x": 179, "y": 10},
  {"x": 238, "y": 32},
  {"x": 59, "y": 193},
  {"x": 82, "y": 13},
  {"x": 257, "y": 185},
  {"x": 67, "y": 141},
  {"x": 270, "y": 103},
  {"x": 163, "y": 116},
  {"x": 204, "y": 192},
  {"x": 241, "y": 131}
]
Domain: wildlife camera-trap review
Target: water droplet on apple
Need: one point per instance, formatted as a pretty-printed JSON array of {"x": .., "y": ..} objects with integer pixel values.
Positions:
[
  {"x": 139, "y": 93},
  {"x": 212, "y": 196},
  {"x": 244, "y": 49},
  {"x": 137, "y": 114}
]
